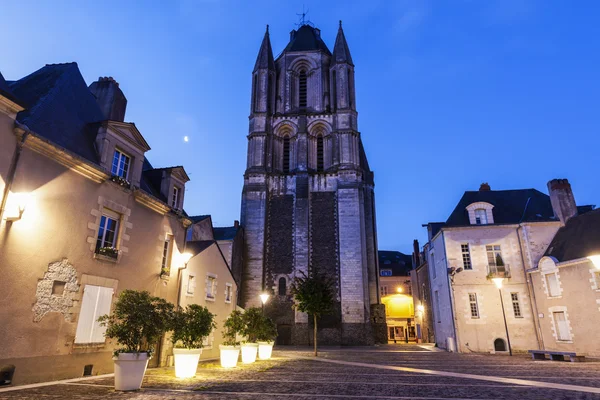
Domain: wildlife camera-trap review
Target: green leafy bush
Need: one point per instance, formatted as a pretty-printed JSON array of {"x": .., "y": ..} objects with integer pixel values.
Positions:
[
  {"x": 233, "y": 326},
  {"x": 191, "y": 326},
  {"x": 138, "y": 321},
  {"x": 258, "y": 327}
]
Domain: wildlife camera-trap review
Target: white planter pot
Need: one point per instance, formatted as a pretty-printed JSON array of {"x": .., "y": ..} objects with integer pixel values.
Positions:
[
  {"x": 264, "y": 350},
  {"x": 129, "y": 370},
  {"x": 186, "y": 362},
  {"x": 249, "y": 351},
  {"x": 229, "y": 356}
]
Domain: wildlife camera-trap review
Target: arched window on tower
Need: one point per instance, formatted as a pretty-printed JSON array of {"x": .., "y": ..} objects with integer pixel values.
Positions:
[
  {"x": 286, "y": 154},
  {"x": 302, "y": 100},
  {"x": 282, "y": 288},
  {"x": 320, "y": 154}
]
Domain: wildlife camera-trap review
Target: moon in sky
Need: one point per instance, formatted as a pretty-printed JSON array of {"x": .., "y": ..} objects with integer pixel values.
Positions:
[{"x": 186, "y": 139}]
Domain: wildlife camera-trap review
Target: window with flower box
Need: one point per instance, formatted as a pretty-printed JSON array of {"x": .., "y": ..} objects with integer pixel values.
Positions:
[
  {"x": 120, "y": 164},
  {"x": 106, "y": 242}
]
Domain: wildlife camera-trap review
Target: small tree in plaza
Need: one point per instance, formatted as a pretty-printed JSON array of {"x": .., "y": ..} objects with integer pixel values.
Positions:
[{"x": 314, "y": 295}]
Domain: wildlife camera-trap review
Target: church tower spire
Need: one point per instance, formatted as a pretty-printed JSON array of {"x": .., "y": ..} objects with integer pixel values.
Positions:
[
  {"x": 342, "y": 75},
  {"x": 265, "y": 60}
]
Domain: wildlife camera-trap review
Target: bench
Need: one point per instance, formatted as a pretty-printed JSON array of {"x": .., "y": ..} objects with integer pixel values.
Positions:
[{"x": 555, "y": 355}]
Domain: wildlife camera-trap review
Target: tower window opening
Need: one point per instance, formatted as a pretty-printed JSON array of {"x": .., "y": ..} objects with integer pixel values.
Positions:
[
  {"x": 255, "y": 94},
  {"x": 320, "y": 160},
  {"x": 302, "y": 89},
  {"x": 286, "y": 154},
  {"x": 333, "y": 92}
]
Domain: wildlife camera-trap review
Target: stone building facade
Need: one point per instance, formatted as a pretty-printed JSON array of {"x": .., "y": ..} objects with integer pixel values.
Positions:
[
  {"x": 490, "y": 234},
  {"x": 83, "y": 216},
  {"x": 308, "y": 197}
]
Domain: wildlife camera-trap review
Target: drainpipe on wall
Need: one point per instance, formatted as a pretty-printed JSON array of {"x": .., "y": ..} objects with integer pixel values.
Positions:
[
  {"x": 530, "y": 289},
  {"x": 13, "y": 164}
]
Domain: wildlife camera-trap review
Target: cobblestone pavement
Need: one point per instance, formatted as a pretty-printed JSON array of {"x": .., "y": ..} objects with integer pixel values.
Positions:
[{"x": 387, "y": 372}]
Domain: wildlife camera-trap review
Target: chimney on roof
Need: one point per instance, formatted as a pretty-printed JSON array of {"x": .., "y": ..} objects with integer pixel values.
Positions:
[
  {"x": 110, "y": 98},
  {"x": 562, "y": 199},
  {"x": 416, "y": 254},
  {"x": 484, "y": 187},
  {"x": 236, "y": 224}
]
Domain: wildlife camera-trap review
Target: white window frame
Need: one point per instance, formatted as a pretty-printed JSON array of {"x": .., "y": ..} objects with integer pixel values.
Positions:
[
  {"x": 474, "y": 306},
  {"x": 552, "y": 293},
  {"x": 191, "y": 285},
  {"x": 118, "y": 170},
  {"x": 480, "y": 216},
  {"x": 516, "y": 305},
  {"x": 211, "y": 287},
  {"x": 228, "y": 291},
  {"x": 167, "y": 254},
  {"x": 96, "y": 301},
  {"x": 108, "y": 215},
  {"x": 465, "y": 250},
  {"x": 561, "y": 327},
  {"x": 175, "y": 197},
  {"x": 495, "y": 252}
]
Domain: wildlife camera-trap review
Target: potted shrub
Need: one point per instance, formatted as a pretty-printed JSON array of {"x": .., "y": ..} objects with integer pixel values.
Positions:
[
  {"x": 137, "y": 322},
  {"x": 230, "y": 349},
  {"x": 191, "y": 326},
  {"x": 266, "y": 338},
  {"x": 252, "y": 319}
]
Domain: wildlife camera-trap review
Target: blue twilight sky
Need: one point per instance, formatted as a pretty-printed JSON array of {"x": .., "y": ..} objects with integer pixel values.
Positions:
[{"x": 449, "y": 93}]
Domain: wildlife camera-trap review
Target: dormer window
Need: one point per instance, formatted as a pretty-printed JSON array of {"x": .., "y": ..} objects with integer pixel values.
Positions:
[
  {"x": 175, "y": 197},
  {"x": 480, "y": 213},
  {"x": 120, "y": 165},
  {"x": 480, "y": 217}
]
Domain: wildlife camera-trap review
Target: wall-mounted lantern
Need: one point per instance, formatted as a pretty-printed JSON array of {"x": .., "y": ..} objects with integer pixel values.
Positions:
[{"x": 16, "y": 205}]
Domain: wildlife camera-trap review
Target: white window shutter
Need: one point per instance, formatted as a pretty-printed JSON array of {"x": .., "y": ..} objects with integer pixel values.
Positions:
[
  {"x": 102, "y": 308},
  {"x": 86, "y": 314}
]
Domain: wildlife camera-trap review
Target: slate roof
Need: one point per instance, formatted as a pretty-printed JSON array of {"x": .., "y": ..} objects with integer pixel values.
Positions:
[
  {"x": 198, "y": 246},
  {"x": 198, "y": 218},
  {"x": 579, "y": 238},
  {"x": 341, "y": 52},
  {"x": 510, "y": 206},
  {"x": 60, "y": 108},
  {"x": 307, "y": 38},
  {"x": 265, "y": 54},
  {"x": 7, "y": 92},
  {"x": 398, "y": 262},
  {"x": 225, "y": 233}
]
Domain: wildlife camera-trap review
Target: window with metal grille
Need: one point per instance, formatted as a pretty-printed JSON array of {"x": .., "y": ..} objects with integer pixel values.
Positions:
[
  {"x": 320, "y": 161},
  {"x": 302, "y": 89},
  {"x": 466, "y": 256},
  {"x": 286, "y": 155},
  {"x": 516, "y": 305},
  {"x": 473, "y": 305}
]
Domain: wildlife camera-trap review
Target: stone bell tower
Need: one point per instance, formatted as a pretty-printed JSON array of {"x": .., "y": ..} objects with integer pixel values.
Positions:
[{"x": 308, "y": 199}]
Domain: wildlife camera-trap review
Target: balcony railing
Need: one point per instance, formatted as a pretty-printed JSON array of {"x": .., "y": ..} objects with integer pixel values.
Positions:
[{"x": 498, "y": 271}]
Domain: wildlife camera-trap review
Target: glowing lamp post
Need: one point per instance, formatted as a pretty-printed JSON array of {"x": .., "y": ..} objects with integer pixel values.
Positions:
[
  {"x": 264, "y": 297},
  {"x": 498, "y": 282}
]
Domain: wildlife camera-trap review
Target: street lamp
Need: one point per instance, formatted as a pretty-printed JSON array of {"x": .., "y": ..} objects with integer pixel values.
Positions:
[
  {"x": 264, "y": 297},
  {"x": 498, "y": 282}
]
